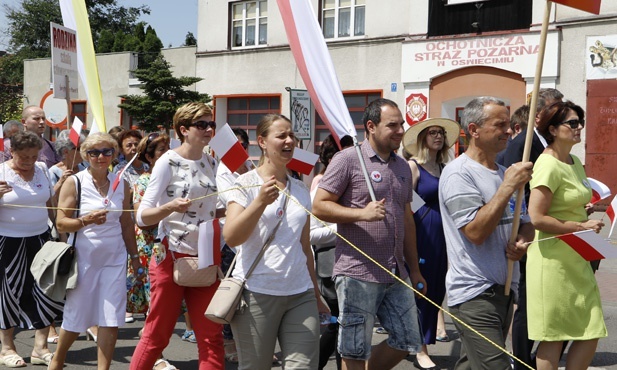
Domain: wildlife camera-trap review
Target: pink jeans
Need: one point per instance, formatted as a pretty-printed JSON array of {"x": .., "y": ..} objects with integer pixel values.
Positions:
[{"x": 165, "y": 302}]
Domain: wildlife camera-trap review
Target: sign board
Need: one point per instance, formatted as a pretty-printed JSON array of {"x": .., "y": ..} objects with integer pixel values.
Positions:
[
  {"x": 422, "y": 60},
  {"x": 63, "y": 60},
  {"x": 300, "y": 108},
  {"x": 601, "y": 57},
  {"x": 591, "y": 6}
]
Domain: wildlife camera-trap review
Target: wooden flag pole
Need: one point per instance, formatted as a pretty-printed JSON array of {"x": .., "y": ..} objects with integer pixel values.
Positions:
[{"x": 529, "y": 137}]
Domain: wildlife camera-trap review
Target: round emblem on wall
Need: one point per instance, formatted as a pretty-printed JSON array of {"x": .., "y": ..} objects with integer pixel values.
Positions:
[{"x": 416, "y": 108}]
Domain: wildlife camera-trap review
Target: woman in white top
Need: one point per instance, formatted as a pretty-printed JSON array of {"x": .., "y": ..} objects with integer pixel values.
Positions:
[
  {"x": 176, "y": 199},
  {"x": 281, "y": 293},
  {"x": 104, "y": 232}
]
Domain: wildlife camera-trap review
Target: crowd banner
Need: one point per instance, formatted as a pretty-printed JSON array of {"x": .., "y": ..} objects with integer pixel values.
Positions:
[{"x": 75, "y": 16}]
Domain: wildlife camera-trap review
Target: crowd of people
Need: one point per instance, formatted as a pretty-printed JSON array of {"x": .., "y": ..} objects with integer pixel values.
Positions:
[{"x": 132, "y": 207}]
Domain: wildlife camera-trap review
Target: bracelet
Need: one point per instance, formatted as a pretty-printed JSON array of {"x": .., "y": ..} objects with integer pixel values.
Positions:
[
  {"x": 83, "y": 224},
  {"x": 134, "y": 256}
]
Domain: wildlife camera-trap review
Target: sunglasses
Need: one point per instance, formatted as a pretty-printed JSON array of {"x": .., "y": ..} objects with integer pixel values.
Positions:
[
  {"x": 202, "y": 125},
  {"x": 153, "y": 136},
  {"x": 95, "y": 153},
  {"x": 573, "y": 123}
]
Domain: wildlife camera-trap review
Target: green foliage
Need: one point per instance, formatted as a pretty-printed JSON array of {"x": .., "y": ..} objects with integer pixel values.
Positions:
[
  {"x": 189, "y": 39},
  {"x": 163, "y": 95},
  {"x": 28, "y": 27},
  {"x": 11, "y": 102}
]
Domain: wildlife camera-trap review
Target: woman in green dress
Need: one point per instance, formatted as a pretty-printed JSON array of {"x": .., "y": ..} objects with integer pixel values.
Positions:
[{"x": 563, "y": 299}]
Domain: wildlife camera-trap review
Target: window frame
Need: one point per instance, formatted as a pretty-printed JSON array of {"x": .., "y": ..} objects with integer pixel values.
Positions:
[
  {"x": 83, "y": 116},
  {"x": 244, "y": 19},
  {"x": 336, "y": 27}
]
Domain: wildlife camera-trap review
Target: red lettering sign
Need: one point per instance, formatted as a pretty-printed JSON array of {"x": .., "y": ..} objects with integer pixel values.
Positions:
[{"x": 591, "y": 6}]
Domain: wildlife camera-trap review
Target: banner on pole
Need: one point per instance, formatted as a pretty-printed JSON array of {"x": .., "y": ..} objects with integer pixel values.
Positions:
[
  {"x": 63, "y": 60},
  {"x": 591, "y": 6}
]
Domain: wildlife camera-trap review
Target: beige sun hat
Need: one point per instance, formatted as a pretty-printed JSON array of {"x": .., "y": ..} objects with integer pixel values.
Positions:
[{"x": 410, "y": 140}]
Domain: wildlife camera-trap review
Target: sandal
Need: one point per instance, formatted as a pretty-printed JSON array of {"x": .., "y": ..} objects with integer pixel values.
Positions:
[
  {"x": 231, "y": 353},
  {"x": 13, "y": 360},
  {"x": 43, "y": 360},
  {"x": 189, "y": 336},
  {"x": 168, "y": 366},
  {"x": 442, "y": 338},
  {"x": 53, "y": 339}
]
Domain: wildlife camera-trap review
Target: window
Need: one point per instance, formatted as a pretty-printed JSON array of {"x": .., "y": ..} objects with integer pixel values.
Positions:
[
  {"x": 356, "y": 102},
  {"x": 249, "y": 23},
  {"x": 79, "y": 109},
  {"x": 245, "y": 112},
  {"x": 342, "y": 18}
]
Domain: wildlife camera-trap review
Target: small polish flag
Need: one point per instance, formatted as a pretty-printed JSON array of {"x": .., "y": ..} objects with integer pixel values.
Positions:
[
  {"x": 209, "y": 244},
  {"x": 599, "y": 190},
  {"x": 75, "y": 132},
  {"x": 302, "y": 161},
  {"x": 590, "y": 245},
  {"x": 226, "y": 145},
  {"x": 1, "y": 138},
  {"x": 417, "y": 202},
  {"x": 610, "y": 212},
  {"x": 114, "y": 186}
]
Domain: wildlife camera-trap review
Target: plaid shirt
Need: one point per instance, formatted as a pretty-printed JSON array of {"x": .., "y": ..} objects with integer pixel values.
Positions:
[{"x": 382, "y": 240}]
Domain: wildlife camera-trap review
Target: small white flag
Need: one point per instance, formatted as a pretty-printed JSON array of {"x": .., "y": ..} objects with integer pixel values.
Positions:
[{"x": 209, "y": 244}]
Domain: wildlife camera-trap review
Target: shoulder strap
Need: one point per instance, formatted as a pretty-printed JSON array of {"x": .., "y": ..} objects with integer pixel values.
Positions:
[{"x": 78, "y": 204}]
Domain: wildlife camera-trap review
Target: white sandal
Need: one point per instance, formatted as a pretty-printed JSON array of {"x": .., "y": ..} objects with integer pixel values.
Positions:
[{"x": 168, "y": 366}]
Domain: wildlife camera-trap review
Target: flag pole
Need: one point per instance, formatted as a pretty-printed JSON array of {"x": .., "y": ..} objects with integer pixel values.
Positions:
[
  {"x": 364, "y": 170},
  {"x": 529, "y": 137}
]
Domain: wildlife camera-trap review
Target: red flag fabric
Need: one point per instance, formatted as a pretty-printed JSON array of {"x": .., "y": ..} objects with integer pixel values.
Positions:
[
  {"x": 209, "y": 244},
  {"x": 610, "y": 212},
  {"x": 303, "y": 161},
  {"x": 315, "y": 66},
  {"x": 591, "y": 6},
  {"x": 590, "y": 245},
  {"x": 1, "y": 138},
  {"x": 227, "y": 147},
  {"x": 75, "y": 132},
  {"x": 599, "y": 190}
]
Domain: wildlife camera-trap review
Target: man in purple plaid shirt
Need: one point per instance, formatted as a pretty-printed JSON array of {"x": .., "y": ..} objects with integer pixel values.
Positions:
[{"x": 385, "y": 231}]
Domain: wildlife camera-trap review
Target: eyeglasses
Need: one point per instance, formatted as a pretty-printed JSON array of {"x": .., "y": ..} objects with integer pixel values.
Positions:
[
  {"x": 95, "y": 153},
  {"x": 435, "y": 133},
  {"x": 202, "y": 125},
  {"x": 573, "y": 123}
]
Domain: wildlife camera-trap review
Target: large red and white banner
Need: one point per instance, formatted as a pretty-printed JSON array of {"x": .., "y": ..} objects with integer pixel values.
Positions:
[
  {"x": 590, "y": 245},
  {"x": 591, "y": 6},
  {"x": 315, "y": 65}
]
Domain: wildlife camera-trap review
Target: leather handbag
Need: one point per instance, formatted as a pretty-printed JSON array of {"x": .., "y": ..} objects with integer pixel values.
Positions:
[
  {"x": 228, "y": 296},
  {"x": 187, "y": 272}
]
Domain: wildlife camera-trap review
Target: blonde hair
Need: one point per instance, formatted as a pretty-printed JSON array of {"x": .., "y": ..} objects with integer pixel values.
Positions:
[
  {"x": 95, "y": 139},
  {"x": 263, "y": 128},
  {"x": 186, "y": 114},
  {"x": 422, "y": 155}
]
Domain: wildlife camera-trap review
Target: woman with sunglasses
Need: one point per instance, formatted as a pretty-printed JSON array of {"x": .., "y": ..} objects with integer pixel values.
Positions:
[
  {"x": 563, "y": 300},
  {"x": 100, "y": 295},
  {"x": 177, "y": 200}
]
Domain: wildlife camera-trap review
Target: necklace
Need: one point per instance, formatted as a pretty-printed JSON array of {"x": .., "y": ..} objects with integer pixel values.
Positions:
[{"x": 100, "y": 188}]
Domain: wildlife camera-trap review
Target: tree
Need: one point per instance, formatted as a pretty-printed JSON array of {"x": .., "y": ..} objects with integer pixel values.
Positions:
[
  {"x": 189, "y": 39},
  {"x": 28, "y": 27},
  {"x": 163, "y": 95}
]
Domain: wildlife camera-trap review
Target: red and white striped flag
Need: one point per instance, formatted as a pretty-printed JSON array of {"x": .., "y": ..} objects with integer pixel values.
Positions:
[
  {"x": 1, "y": 138},
  {"x": 590, "y": 245},
  {"x": 599, "y": 190},
  {"x": 315, "y": 66},
  {"x": 610, "y": 212},
  {"x": 114, "y": 186},
  {"x": 227, "y": 147},
  {"x": 302, "y": 161},
  {"x": 75, "y": 132},
  {"x": 209, "y": 244}
]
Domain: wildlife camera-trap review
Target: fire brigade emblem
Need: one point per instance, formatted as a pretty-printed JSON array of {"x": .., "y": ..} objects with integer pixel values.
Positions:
[{"x": 416, "y": 108}]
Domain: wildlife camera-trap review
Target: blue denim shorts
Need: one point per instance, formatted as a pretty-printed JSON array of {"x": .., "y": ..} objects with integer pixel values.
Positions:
[{"x": 359, "y": 303}]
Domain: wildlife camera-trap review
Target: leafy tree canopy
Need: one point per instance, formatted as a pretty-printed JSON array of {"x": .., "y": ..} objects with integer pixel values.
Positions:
[
  {"x": 189, "y": 39},
  {"x": 163, "y": 95}
]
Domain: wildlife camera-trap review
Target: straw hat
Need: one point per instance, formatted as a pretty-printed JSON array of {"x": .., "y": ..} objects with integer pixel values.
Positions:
[{"x": 410, "y": 140}]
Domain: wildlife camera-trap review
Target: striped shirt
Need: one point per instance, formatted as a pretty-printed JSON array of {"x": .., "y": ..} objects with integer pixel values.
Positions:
[{"x": 381, "y": 240}]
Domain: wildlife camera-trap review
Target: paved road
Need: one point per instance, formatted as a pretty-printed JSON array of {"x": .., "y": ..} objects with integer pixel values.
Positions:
[{"x": 183, "y": 355}]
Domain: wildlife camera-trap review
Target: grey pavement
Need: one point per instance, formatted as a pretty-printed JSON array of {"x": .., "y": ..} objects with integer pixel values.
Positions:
[{"x": 184, "y": 355}]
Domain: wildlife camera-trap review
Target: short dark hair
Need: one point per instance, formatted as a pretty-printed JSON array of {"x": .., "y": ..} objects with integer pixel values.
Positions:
[
  {"x": 372, "y": 112},
  {"x": 328, "y": 149},
  {"x": 547, "y": 94},
  {"x": 520, "y": 117},
  {"x": 148, "y": 145},
  {"x": 554, "y": 115},
  {"x": 26, "y": 140},
  {"x": 126, "y": 134},
  {"x": 346, "y": 141},
  {"x": 242, "y": 133}
]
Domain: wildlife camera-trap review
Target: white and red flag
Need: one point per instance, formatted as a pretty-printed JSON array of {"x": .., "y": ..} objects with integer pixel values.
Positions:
[
  {"x": 315, "y": 66},
  {"x": 590, "y": 245},
  {"x": 114, "y": 186},
  {"x": 75, "y": 132},
  {"x": 227, "y": 147},
  {"x": 209, "y": 244},
  {"x": 1, "y": 138},
  {"x": 599, "y": 190},
  {"x": 302, "y": 161},
  {"x": 610, "y": 212}
]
